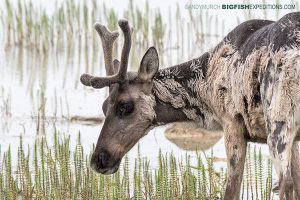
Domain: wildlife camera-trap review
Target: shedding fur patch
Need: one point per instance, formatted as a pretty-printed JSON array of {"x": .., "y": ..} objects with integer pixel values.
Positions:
[
  {"x": 264, "y": 83},
  {"x": 219, "y": 78},
  {"x": 184, "y": 93},
  {"x": 168, "y": 91},
  {"x": 297, "y": 36},
  {"x": 294, "y": 35},
  {"x": 285, "y": 97},
  {"x": 237, "y": 86},
  {"x": 147, "y": 105}
]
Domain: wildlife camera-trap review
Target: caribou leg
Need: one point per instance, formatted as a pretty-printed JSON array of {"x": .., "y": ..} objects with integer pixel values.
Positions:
[
  {"x": 280, "y": 142},
  {"x": 296, "y": 170},
  {"x": 235, "y": 145}
]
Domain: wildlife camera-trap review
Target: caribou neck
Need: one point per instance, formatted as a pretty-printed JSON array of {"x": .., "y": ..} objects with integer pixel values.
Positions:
[{"x": 178, "y": 92}]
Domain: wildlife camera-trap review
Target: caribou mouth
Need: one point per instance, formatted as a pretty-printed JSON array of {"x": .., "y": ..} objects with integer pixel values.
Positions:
[
  {"x": 108, "y": 171},
  {"x": 105, "y": 171}
]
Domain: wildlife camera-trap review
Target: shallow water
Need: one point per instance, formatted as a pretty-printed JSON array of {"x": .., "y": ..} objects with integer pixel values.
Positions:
[{"x": 27, "y": 75}]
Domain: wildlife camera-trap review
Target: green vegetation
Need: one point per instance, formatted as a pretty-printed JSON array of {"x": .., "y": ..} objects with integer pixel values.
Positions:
[
  {"x": 35, "y": 39},
  {"x": 30, "y": 26},
  {"x": 69, "y": 26},
  {"x": 56, "y": 172}
]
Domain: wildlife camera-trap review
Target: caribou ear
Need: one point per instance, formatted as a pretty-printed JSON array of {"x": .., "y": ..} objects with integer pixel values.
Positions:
[{"x": 149, "y": 65}]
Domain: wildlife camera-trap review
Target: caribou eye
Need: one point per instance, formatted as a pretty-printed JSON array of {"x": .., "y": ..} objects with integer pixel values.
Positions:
[{"x": 124, "y": 108}]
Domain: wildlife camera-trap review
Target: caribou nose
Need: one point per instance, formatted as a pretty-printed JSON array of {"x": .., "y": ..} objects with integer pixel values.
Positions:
[{"x": 103, "y": 160}]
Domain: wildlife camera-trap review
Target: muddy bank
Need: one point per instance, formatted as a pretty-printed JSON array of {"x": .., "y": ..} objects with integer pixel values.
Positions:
[{"x": 87, "y": 120}]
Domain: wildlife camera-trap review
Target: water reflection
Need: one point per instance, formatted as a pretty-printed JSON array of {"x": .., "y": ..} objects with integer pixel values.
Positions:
[{"x": 189, "y": 136}]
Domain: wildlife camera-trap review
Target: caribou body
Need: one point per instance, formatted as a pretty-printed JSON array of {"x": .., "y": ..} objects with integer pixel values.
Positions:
[{"x": 248, "y": 86}]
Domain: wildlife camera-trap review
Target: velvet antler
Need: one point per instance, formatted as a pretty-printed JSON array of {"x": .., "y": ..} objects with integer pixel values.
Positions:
[
  {"x": 108, "y": 39},
  {"x": 126, "y": 48}
]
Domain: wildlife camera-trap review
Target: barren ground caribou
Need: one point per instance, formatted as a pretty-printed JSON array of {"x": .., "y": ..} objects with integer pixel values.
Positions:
[{"x": 248, "y": 86}]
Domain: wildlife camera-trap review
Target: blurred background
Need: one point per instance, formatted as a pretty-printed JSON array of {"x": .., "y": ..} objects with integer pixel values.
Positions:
[{"x": 46, "y": 45}]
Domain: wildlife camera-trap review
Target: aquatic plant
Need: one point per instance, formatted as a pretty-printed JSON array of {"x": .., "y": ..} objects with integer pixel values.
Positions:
[{"x": 55, "y": 172}]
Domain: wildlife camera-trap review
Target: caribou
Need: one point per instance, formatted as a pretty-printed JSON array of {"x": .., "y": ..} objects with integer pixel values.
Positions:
[{"x": 248, "y": 86}]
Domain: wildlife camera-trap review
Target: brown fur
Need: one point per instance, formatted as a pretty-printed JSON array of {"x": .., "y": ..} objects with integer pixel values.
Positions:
[{"x": 249, "y": 86}]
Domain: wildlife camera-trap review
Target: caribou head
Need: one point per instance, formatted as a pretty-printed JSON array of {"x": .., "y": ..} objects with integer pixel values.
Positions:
[{"x": 129, "y": 108}]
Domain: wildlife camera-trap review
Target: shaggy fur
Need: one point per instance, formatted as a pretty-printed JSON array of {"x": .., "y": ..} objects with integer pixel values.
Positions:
[{"x": 250, "y": 85}]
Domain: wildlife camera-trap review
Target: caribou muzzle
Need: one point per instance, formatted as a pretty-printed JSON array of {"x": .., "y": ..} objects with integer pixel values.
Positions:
[{"x": 103, "y": 162}]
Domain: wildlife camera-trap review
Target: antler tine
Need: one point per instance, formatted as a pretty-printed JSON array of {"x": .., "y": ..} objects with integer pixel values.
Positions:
[
  {"x": 86, "y": 79},
  {"x": 107, "y": 39},
  {"x": 98, "y": 82},
  {"x": 123, "y": 23}
]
